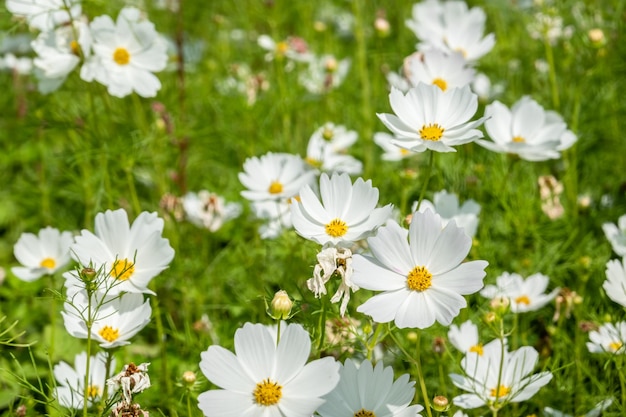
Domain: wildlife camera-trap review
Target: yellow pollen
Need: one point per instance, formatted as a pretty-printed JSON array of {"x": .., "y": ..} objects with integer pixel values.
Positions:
[
  {"x": 419, "y": 279},
  {"x": 267, "y": 392},
  {"x": 93, "y": 391},
  {"x": 432, "y": 132},
  {"x": 275, "y": 187},
  {"x": 313, "y": 162},
  {"x": 121, "y": 56},
  {"x": 523, "y": 299},
  {"x": 123, "y": 269},
  {"x": 364, "y": 413},
  {"x": 48, "y": 263},
  {"x": 615, "y": 346},
  {"x": 477, "y": 349},
  {"x": 282, "y": 48},
  {"x": 75, "y": 48},
  {"x": 441, "y": 83},
  {"x": 336, "y": 228},
  {"x": 500, "y": 392},
  {"x": 109, "y": 334},
  {"x": 518, "y": 139}
]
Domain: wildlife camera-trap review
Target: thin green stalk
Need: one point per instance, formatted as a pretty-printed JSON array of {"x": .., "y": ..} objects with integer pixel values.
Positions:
[
  {"x": 373, "y": 341},
  {"x": 278, "y": 331},
  {"x": 322, "y": 326},
  {"x": 88, "y": 325},
  {"x": 552, "y": 74},
  {"x": 53, "y": 320},
  {"x": 128, "y": 168},
  {"x": 429, "y": 171},
  {"x": 165, "y": 379}
]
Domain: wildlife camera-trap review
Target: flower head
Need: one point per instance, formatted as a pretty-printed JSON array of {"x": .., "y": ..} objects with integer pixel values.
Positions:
[
  {"x": 429, "y": 118},
  {"x": 45, "y": 14},
  {"x": 345, "y": 214},
  {"x": 327, "y": 148},
  {"x": 264, "y": 378},
  {"x": 70, "y": 391},
  {"x": 132, "y": 379},
  {"x": 209, "y": 210},
  {"x": 129, "y": 255},
  {"x": 524, "y": 294},
  {"x": 331, "y": 261},
  {"x": 423, "y": 280},
  {"x": 615, "y": 284},
  {"x": 527, "y": 130},
  {"x": 324, "y": 73},
  {"x": 293, "y": 48},
  {"x": 365, "y": 390},
  {"x": 616, "y": 235},
  {"x": 41, "y": 254},
  {"x": 465, "y": 338},
  {"x": 609, "y": 338},
  {"x": 126, "y": 53},
  {"x": 499, "y": 377}
]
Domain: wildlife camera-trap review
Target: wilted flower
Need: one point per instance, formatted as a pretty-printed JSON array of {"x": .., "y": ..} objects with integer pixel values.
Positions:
[
  {"x": 330, "y": 261},
  {"x": 132, "y": 379},
  {"x": 209, "y": 210},
  {"x": 549, "y": 190},
  {"x": 41, "y": 254}
]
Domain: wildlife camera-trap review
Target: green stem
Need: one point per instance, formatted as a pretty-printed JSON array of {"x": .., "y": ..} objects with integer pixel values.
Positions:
[
  {"x": 429, "y": 171},
  {"x": 552, "y": 74},
  {"x": 131, "y": 188},
  {"x": 322, "y": 326},
  {"x": 165, "y": 380},
  {"x": 88, "y": 325},
  {"x": 278, "y": 332},
  {"x": 373, "y": 342}
]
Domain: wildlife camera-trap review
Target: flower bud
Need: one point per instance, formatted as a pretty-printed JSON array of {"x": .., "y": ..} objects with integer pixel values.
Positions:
[
  {"x": 189, "y": 378},
  {"x": 440, "y": 403},
  {"x": 596, "y": 36},
  {"x": 500, "y": 304},
  {"x": 382, "y": 27},
  {"x": 281, "y": 305}
]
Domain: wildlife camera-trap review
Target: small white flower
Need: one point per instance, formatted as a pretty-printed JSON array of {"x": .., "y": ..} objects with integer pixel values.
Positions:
[
  {"x": 423, "y": 280},
  {"x": 274, "y": 177},
  {"x": 264, "y": 378},
  {"x": 429, "y": 118},
  {"x": 45, "y": 14},
  {"x": 293, "y": 48},
  {"x": 70, "y": 391},
  {"x": 526, "y": 130},
  {"x": 616, "y": 235},
  {"x": 41, "y": 254},
  {"x": 324, "y": 73},
  {"x": 499, "y": 377},
  {"x": 126, "y": 54},
  {"x": 209, "y": 210},
  {"x": 524, "y": 294},
  {"x": 115, "y": 319},
  {"x": 132, "y": 379},
  {"x": 615, "y": 284},
  {"x": 19, "y": 65},
  {"x": 277, "y": 216},
  {"x": 345, "y": 214},
  {"x": 333, "y": 260},
  {"x": 596, "y": 411},
  {"x": 128, "y": 256},
  {"x": 447, "y": 206},
  {"x": 451, "y": 27},
  {"x": 364, "y": 390},
  {"x": 391, "y": 152},
  {"x": 465, "y": 338},
  {"x": 608, "y": 338}
]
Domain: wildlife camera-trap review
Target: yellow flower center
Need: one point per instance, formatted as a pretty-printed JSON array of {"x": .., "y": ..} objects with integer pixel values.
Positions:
[
  {"x": 336, "y": 228},
  {"x": 328, "y": 134},
  {"x": 523, "y": 299},
  {"x": 404, "y": 152},
  {"x": 316, "y": 163},
  {"x": 441, "y": 83},
  {"x": 282, "y": 48},
  {"x": 48, "y": 263},
  {"x": 109, "y": 334},
  {"x": 518, "y": 139},
  {"x": 432, "y": 132},
  {"x": 267, "y": 392},
  {"x": 364, "y": 413},
  {"x": 93, "y": 391},
  {"x": 615, "y": 346},
  {"x": 275, "y": 187},
  {"x": 500, "y": 392},
  {"x": 123, "y": 269},
  {"x": 75, "y": 47},
  {"x": 419, "y": 279},
  {"x": 121, "y": 56},
  {"x": 477, "y": 349}
]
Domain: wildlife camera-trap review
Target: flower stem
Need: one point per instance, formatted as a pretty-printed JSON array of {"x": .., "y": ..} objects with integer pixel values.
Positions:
[
  {"x": 429, "y": 171},
  {"x": 552, "y": 74}
]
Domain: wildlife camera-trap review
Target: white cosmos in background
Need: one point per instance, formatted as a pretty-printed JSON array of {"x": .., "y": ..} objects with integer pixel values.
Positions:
[
  {"x": 70, "y": 391},
  {"x": 41, "y": 254}
]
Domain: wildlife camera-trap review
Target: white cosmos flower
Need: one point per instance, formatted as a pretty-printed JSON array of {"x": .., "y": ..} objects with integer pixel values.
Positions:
[
  {"x": 524, "y": 294},
  {"x": 345, "y": 214},
  {"x": 126, "y": 53},
  {"x": 41, "y": 254},
  {"x": 429, "y": 118},
  {"x": 615, "y": 284},
  {"x": 70, "y": 390},
  {"x": 115, "y": 318},
  {"x": 59, "y": 53},
  {"x": 277, "y": 216},
  {"x": 391, "y": 152},
  {"x": 274, "y": 176},
  {"x": 434, "y": 67},
  {"x": 327, "y": 148},
  {"x": 447, "y": 206},
  {"x": 128, "y": 256},
  {"x": 526, "y": 130},
  {"x": 45, "y": 14},
  {"x": 465, "y": 338},
  {"x": 616, "y": 235},
  {"x": 209, "y": 210},
  {"x": 324, "y": 73},
  {"x": 264, "y": 379},
  {"x": 608, "y": 338},
  {"x": 364, "y": 390},
  {"x": 423, "y": 280},
  {"x": 451, "y": 27},
  {"x": 491, "y": 384},
  {"x": 293, "y": 48},
  {"x": 596, "y": 411}
]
